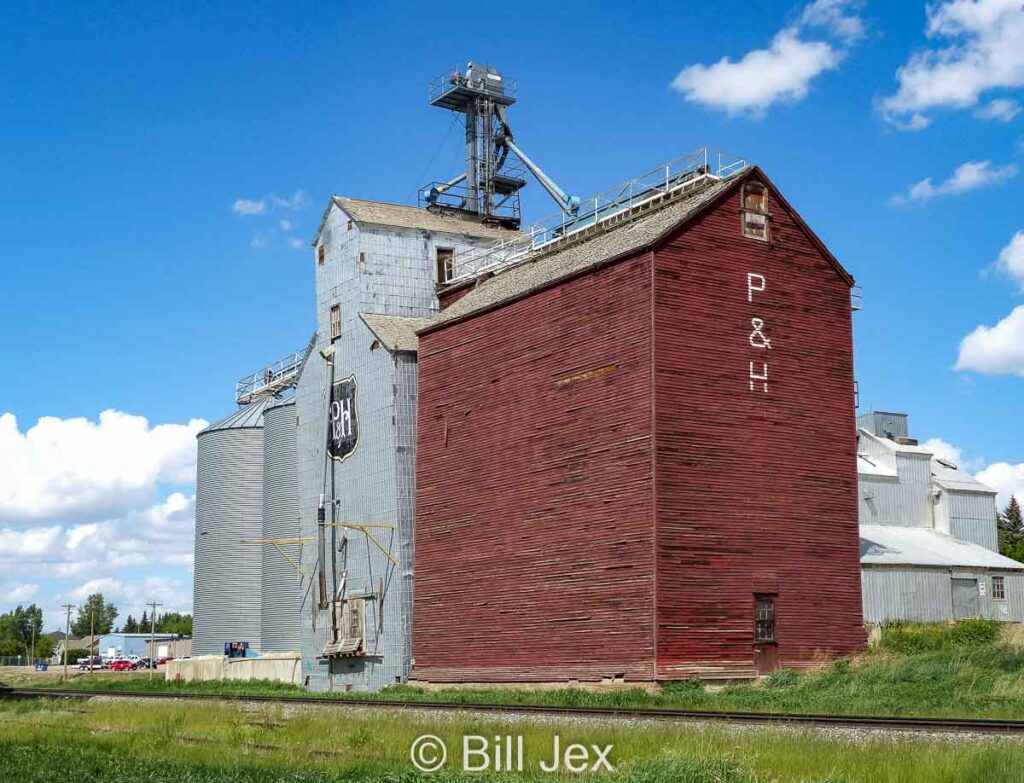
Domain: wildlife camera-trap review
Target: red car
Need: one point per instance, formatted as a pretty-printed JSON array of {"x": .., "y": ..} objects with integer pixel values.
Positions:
[{"x": 122, "y": 666}]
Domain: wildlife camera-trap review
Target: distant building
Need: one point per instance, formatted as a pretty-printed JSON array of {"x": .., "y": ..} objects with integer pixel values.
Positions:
[
  {"x": 123, "y": 645},
  {"x": 929, "y": 543},
  {"x": 72, "y": 643}
]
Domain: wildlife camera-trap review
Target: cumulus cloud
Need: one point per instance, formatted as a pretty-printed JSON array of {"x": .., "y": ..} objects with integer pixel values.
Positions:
[
  {"x": 1011, "y": 259},
  {"x": 1001, "y": 109},
  {"x": 246, "y": 207},
  {"x": 781, "y": 73},
  {"x": 175, "y": 595},
  {"x": 978, "y": 46},
  {"x": 16, "y": 592},
  {"x": 995, "y": 350},
  {"x": 1006, "y": 478},
  {"x": 943, "y": 450},
  {"x": 80, "y": 470},
  {"x": 967, "y": 177}
]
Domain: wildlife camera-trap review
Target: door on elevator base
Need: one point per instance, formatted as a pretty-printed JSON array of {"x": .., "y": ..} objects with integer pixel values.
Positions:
[
  {"x": 766, "y": 648},
  {"x": 966, "y": 602}
]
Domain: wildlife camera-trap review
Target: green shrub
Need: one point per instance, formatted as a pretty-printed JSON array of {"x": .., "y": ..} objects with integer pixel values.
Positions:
[
  {"x": 909, "y": 638},
  {"x": 782, "y": 678},
  {"x": 688, "y": 687}
]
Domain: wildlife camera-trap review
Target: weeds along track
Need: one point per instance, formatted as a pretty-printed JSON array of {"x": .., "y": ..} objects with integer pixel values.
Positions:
[{"x": 968, "y": 725}]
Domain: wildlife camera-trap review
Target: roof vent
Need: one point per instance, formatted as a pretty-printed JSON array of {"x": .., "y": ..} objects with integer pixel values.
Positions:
[{"x": 905, "y": 441}]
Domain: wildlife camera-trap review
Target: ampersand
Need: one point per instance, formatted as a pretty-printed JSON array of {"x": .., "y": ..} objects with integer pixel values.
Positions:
[{"x": 758, "y": 338}]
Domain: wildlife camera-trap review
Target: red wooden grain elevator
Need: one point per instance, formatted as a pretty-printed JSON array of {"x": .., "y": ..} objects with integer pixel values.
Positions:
[{"x": 637, "y": 454}]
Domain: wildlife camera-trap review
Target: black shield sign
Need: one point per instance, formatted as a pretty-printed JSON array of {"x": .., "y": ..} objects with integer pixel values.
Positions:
[{"x": 343, "y": 419}]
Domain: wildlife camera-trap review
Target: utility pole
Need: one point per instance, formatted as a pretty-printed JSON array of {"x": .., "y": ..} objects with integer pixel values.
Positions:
[
  {"x": 152, "y": 637},
  {"x": 92, "y": 634},
  {"x": 67, "y": 634}
]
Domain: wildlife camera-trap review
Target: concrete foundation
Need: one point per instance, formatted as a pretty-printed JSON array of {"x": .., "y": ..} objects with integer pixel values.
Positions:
[{"x": 278, "y": 667}]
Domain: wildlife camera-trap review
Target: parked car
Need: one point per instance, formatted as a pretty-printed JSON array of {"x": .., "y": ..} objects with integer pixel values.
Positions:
[
  {"x": 145, "y": 663},
  {"x": 91, "y": 663},
  {"x": 122, "y": 666},
  {"x": 162, "y": 660}
]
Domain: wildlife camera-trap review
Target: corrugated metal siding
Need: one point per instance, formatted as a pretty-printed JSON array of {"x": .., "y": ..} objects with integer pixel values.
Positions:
[
  {"x": 534, "y": 528},
  {"x": 925, "y": 594},
  {"x": 756, "y": 491},
  {"x": 972, "y": 517},
  {"x": 395, "y": 276},
  {"x": 281, "y": 583},
  {"x": 229, "y": 509},
  {"x": 906, "y": 501}
]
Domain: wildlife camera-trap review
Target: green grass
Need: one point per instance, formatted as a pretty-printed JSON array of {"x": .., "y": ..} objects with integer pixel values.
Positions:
[
  {"x": 967, "y": 670},
  {"x": 129, "y": 742}
]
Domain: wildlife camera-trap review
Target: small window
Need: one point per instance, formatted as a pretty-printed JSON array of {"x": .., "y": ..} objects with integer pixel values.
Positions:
[
  {"x": 998, "y": 588},
  {"x": 755, "y": 211},
  {"x": 335, "y": 322},
  {"x": 362, "y": 257},
  {"x": 764, "y": 618},
  {"x": 320, "y": 254},
  {"x": 350, "y": 225},
  {"x": 445, "y": 264}
]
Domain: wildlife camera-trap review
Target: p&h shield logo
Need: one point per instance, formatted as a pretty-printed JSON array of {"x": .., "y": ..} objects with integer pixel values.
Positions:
[{"x": 343, "y": 419}]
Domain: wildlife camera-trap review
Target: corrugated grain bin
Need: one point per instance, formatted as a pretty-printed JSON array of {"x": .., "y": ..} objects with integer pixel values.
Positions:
[
  {"x": 281, "y": 588},
  {"x": 229, "y": 512}
]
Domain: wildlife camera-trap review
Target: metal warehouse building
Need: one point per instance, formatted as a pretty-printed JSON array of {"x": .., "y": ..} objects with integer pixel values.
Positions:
[
  {"x": 636, "y": 454},
  {"x": 929, "y": 544}
]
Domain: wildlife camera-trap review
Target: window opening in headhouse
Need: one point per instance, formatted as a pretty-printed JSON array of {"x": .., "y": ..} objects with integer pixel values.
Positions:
[
  {"x": 755, "y": 211},
  {"x": 335, "y": 322},
  {"x": 998, "y": 588},
  {"x": 445, "y": 264},
  {"x": 350, "y": 225},
  {"x": 320, "y": 254},
  {"x": 764, "y": 618}
]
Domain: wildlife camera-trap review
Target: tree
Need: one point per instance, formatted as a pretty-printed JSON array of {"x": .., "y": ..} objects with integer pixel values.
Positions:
[
  {"x": 19, "y": 629},
  {"x": 95, "y": 615},
  {"x": 1011, "y": 529},
  {"x": 144, "y": 622},
  {"x": 131, "y": 625},
  {"x": 176, "y": 623}
]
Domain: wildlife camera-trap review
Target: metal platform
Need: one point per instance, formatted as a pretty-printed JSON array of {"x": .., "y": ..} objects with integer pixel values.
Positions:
[{"x": 274, "y": 379}]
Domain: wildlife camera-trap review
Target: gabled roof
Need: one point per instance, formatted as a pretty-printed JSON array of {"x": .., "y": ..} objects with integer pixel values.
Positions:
[
  {"x": 644, "y": 229},
  {"x": 383, "y": 213},
  {"x": 396, "y": 333},
  {"x": 921, "y": 546}
]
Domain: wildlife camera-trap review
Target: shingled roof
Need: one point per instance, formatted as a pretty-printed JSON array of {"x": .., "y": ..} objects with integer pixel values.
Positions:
[
  {"x": 564, "y": 259},
  {"x": 396, "y": 333},
  {"x": 382, "y": 213}
]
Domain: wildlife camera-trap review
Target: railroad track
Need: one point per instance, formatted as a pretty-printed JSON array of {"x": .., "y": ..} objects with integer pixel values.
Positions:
[{"x": 970, "y": 725}]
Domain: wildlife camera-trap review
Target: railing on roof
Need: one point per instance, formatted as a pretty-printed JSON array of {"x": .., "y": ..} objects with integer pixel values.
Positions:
[
  {"x": 274, "y": 378},
  {"x": 673, "y": 178},
  {"x": 456, "y": 77}
]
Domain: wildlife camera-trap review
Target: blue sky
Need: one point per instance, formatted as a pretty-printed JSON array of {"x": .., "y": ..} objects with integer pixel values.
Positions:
[{"x": 165, "y": 167}]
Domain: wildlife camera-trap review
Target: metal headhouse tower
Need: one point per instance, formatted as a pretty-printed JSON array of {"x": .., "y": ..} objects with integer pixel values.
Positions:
[{"x": 490, "y": 186}]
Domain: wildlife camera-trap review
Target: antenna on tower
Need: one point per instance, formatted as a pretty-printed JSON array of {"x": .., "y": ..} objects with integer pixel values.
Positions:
[{"x": 489, "y": 188}]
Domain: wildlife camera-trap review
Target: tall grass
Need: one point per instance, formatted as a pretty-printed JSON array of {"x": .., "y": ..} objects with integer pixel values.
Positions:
[
  {"x": 964, "y": 670},
  {"x": 124, "y": 742}
]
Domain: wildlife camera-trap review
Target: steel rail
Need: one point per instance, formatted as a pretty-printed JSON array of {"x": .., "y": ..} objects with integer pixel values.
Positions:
[{"x": 989, "y": 725}]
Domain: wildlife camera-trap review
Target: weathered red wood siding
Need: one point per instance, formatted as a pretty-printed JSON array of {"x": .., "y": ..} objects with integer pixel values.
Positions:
[
  {"x": 756, "y": 492},
  {"x": 534, "y": 516}
]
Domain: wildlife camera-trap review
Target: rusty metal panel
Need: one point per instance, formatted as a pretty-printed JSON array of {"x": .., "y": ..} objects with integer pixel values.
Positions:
[
  {"x": 756, "y": 446},
  {"x": 534, "y": 518}
]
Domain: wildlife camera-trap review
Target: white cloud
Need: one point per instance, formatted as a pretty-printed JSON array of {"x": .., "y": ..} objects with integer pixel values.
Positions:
[
  {"x": 781, "y": 73},
  {"x": 246, "y": 207},
  {"x": 295, "y": 202},
  {"x": 943, "y": 450},
  {"x": 286, "y": 225},
  {"x": 296, "y": 243},
  {"x": 836, "y": 15},
  {"x": 995, "y": 350},
  {"x": 1011, "y": 259},
  {"x": 259, "y": 240},
  {"x": 1006, "y": 478},
  {"x": 131, "y": 597},
  {"x": 978, "y": 46},
  {"x": 24, "y": 545},
  {"x": 967, "y": 177},
  {"x": 78, "y": 470},
  {"x": 1001, "y": 109},
  {"x": 17, "y": 592}
]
